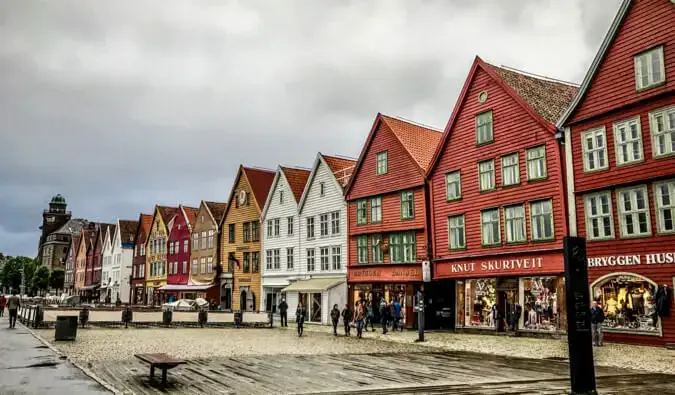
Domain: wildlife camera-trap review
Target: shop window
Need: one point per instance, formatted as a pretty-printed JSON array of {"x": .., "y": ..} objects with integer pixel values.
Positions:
[
  {"x": 543, "y": 303},
  {"x": 628, "y": 302},
  {"x": 475, "y": 302}
]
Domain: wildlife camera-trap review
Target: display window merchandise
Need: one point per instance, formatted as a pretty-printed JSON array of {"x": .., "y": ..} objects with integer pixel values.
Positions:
[
  {"x": 389, "y": 292},
  {"x": 543, "y": 303},
  {"x": 476, "y": 303},
  {"x": 628, "y": 302}
]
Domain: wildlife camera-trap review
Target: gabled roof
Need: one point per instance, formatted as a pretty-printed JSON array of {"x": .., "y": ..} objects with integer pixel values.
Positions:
[
  {"x": 72, "y": 227},
  {"x": 167, "y": 213},
  {"x": 190, "y": 215},
  {"x": 144, "y": 225},
  {"x": 417, "y": 140},
  {"x": 340, "y": 167},
  {"x": 260, "y": 181},
  {"x": 101, "y": 230},
  {"x": 599, "y": 57},
  {"x": 297, "y": 179},
  {"x": 127, "y": 229},
  {"x": 216, "y": 209},
  {"x": 75, "y": 242},
  {"x": 540, "y": 97}
]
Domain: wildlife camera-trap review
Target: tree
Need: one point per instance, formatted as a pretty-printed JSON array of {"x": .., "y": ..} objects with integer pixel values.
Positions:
[
  {"x": 56, "y": 279},
  {"x": 11, "y": 272},
  {"x": 41, "y": 279}
]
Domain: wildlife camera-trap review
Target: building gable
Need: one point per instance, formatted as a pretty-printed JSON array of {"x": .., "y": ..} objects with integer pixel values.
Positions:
[{"x": 331, "y": 182}]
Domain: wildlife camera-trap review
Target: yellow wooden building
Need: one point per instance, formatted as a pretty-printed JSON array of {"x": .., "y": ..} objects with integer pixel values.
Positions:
[{"x": 155, "y": 257}]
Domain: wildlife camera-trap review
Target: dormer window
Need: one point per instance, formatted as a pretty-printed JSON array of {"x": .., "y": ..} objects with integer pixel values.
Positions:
[
  {"x": 382, "y": 163},
  {"x": 649, "y": 69}
]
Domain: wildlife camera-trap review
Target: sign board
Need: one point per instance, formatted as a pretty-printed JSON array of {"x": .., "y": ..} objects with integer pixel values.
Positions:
[{"x": 426, "y": 271}]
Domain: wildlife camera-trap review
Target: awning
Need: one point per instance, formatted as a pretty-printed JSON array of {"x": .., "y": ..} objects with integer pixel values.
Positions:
[
  {"x": 314, "y": 284},
  {"x": 89, "y": 287},
  {"x": 178, "y": 287}
]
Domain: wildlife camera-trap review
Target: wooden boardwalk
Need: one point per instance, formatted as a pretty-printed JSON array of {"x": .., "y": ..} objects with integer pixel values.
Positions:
[{"x": 428, "y": 372}]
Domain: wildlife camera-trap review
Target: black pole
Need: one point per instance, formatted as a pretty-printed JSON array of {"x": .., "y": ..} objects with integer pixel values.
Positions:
[
  {"x": 579, "y": 336},
  {"x": 420, "y": 316}
]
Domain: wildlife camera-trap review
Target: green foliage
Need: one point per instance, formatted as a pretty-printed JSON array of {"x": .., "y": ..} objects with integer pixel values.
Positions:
[
  {"x": 56, "y": 279},
  {"x": 11, "y": 272},
  {"x": 41, "y": 279}
]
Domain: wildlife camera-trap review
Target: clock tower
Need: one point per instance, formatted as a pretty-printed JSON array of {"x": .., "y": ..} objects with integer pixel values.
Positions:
[{"x": 53, "y": 218}]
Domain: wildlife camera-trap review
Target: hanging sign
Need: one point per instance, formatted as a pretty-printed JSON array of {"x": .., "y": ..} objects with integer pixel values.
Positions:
[{"x": 426, "y": 271}]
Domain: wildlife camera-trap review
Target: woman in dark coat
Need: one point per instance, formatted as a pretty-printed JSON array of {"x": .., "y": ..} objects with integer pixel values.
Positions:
[
  {"x": 300, "y": 314},
  {"x": 335, "y": 317}
]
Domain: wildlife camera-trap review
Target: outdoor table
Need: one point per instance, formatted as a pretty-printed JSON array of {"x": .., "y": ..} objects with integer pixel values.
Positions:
[{"x": 161, "y": 361}]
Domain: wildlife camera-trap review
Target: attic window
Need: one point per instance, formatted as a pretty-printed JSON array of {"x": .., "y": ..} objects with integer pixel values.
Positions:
[
  {"x": 322, "y": 189},
  {"x": 649, "y": 69},
  {"x": 281, "y": 197},
  {"x": 382, "y": 163},
  {"x": 484, "y": 128}
]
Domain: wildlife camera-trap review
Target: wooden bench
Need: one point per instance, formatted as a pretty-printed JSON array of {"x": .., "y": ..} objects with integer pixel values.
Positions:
[{"x": 161, "y": 361}]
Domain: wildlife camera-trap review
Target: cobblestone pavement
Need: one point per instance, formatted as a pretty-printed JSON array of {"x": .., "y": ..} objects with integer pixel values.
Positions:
[{"x": 156, "y": 316}]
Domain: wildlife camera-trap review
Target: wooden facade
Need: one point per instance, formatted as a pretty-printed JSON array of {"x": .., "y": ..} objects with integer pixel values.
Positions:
[
  {"x": 620, "y": 140},
  {"x": 178, "y": 249},
  {"x": 138, "y": 270},
  {"x": 204, "y": 254},
  {"x": 156, "y": 250}
]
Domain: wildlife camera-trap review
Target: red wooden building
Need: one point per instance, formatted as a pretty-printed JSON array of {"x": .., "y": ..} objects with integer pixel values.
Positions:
[
  {"x": 498, "y": 202},
  {"x": 178, "y": 255},
  {"x": 138, "y": 271},
  {"x": 387, "y": 213},
  {"x": 620, "y": 144}
]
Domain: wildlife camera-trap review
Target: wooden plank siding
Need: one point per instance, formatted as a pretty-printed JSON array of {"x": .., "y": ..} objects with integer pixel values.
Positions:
[
  {"x": 203, "y": 223},
  {"x": 514, "y": 131}
]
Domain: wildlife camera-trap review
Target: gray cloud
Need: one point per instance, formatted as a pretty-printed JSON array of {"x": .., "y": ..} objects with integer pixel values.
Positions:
[{"x": 121, "y": 105}]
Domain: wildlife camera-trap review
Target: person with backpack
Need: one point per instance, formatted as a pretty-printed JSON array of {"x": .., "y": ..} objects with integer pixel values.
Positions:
[{"x": 597, "y": 318}]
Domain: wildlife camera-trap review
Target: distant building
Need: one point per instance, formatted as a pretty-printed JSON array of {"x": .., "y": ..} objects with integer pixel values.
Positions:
[{"x": 53, "y": 220}]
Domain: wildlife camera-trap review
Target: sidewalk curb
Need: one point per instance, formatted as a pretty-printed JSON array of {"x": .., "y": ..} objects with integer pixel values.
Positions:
[{"x": 63, "y": 356}]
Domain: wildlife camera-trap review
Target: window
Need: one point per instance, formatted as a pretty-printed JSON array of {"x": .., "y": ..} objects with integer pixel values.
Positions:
[
  {"x": 376, "y": 247},
  {"x": 361, "y": 212},
  {"x": 185, "y": 267},
  {"x": 171, "y": 248},
  {"x": 323, "y": 253},
  {"x": 142, "y": 249},
  {"x": 323, "y": 224},
  {"x": 402, "y": 247},
  {"x": 599, "y": 222},
  {"x": 633, "y": 212},
  {"x": 255, "y": 262},
  {"x": 247, "y": 232},
  {"x": 336, "y": 255},
  {"x": 322, "y": 189},
  {"x": 277, "y": 227},
  {"x": 310, "y": 259},
  {"x": 484, "y": 128},
  {"x": 281, "y": 197},
  {"x": 270, "y": 228},
  {"x": 230, "y": 233},
  {"x": 289, "y": 226},
  {"x": 536, "y": 163},
  {"x": 664, "y": 193},
  {"x": 514, "y": 223},
  {"x": 255, "y": 230},
  {"x": 490, "y": 227},
  {"x": 289, "y": 258},
  {"x": 362, "y": 249},
  {"x": 247, "y": 262},
  {"x": 628, "y": 141},
  {"x": 407, "y": 205},
  {"x": 649, "y": 69},
  {"x": 335, "y": 222},
  {"x": 202, "y": 263},
  {"x": 486, "y": 171},
  {"x": 510, "y": 170},
  {"x": 211, "y": 233},
  {"x": 209, "y": 264},
  {"x": 382, "y": 165},
  {"x": 186, "y": 245},
  {"x": 376, "y": 210},
  {"x": 541, "y": 216},
  {"x": 310, "y": 228},
  {"x": 663, "y": 131},
  {"x": 203, "y": 240},
  {"x": 595, "y": 149},
  {"x": 456, "y": 232},
  {"x": 453, "y": 186},
  {"x": 268, "y": 259},
  {"x": 277, "y": 259},
  {"x": 615, "y": 293}
]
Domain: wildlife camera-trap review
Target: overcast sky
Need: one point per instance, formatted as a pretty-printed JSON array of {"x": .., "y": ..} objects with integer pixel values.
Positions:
[{"x": 119, "y": 105}]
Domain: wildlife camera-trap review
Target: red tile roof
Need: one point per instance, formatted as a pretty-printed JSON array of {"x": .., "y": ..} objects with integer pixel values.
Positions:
[
  {"x": 146, "y": 223},
  {"x": 548, "y": 98},
  {"x": 419, "y": 141},
  {"x": 217, "y": 209},
  {"x": 342, "y": 168},
  {"x": 190, "y": 214},
  {"x": 296, "y": 178},
  {"x": 261, "y": 181},
  {"x": 128, "y": 230},
  {"x": 167, "y": 213}
]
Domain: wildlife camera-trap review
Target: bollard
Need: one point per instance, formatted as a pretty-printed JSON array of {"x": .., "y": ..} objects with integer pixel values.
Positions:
[
  {"x": 84, "y": 316},
  {"x": 39, "y": 316},
  {"x": 271, "y": 317},
  {"x": 127, "y": 316},
  {"x": 238, "y": 318},
  {"x": 167, "y": 317},
  {"x": 202, "y": 317}
]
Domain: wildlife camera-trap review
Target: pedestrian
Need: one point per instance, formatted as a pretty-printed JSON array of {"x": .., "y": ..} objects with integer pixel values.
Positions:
[
  {"x": 369, "y": 316},
  {"x": 335, "y": 318},
  {"x": 397, "y": 314},
  {"x": 358, "y": 319},
  {"x": 300, "y": 314},
  {"x": 347, "y": 316},
  {"x": 597, "y": 318},
  {"x": 386, "y": 316},
  {"x": 283, "y": 312},
  {"x": 13, "y": 304},
  {"x": 3, "y": 302}
]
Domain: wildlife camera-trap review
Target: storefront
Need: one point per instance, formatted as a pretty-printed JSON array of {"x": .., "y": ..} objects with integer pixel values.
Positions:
[
  {"x": 318, "y": 295},
  {"x": 628, "y": 288},
  {"x": 272, "y": 292},
  {"x": 524, "y": 292},
  {"x": 173, "y": 292},
  {"x": 138, "y": 296}
]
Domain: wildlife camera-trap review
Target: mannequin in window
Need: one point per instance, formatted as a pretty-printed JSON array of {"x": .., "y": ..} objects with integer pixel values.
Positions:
[
  {"x": 611, "y": 306},
  {"x": 638, "y": 302},
  {"x": 477, "y": 312}
]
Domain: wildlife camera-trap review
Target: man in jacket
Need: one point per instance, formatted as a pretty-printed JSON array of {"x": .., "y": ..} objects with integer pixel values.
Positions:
[
  {"x": 597, "y": 317},
  {"x": 347, "y": 316},
  {"x": 283, "y": 312},
  {"x": 13, "y": 304}
]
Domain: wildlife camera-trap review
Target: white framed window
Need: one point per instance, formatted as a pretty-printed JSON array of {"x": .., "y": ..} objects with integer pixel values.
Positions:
[
  {"x": 310, "y": 228},
  {"x": 211, "y": 233},
  {"x": 510, "y": 170},
  {"x": 185, "y": 267},
  {"x": 209, "y": 264},
  {"x": 484, "y": 128},
  {"x": 311, "y": 260},
  {"x": 289, "y": 222},
  {"x": 536, "y": 163},
  {"x": 486, "y": 172},
  {"x": 376, "y": 210},
  {"x": 453, "y": 186},
  {"x": 268, "y": 259},
  {"x": 598, "y": 211},
  {"x": 594, "y": 143},
  {"x": 649, "y": 68},
  {"x": 664, "y": 194},
  {"x": 277, "y": 227},
  {"x": 514, "y": 223},
  {"x": 171, "y": 248},
  {"x": 628, "y": 141},
  {"x": 362, "y": 249},
  {"x": 336, "y": 257},
  {"x": 270, "y": 227},
  {"x": 186, "y": 245},
  {"x": 662, "y": 125},
  {"x": 277, "y": 259},
  {"x": 325, "y": 259},
  {"x": 382, "y": 163},
  {"x": 633, "y": 210},
  {"x": 202, "y": 264},
  {"x": 407, "y": 205},
  {"x": 290, "y": 258},
  {"x": 195, "y": 267},
  {"x": 490, "y": 234},
  {"x": 361, "y": 212},
  {"x": 541, "y": 220},
  {"x": 456, "y": 232},
  {"x": 323, "y": 224},
  {"x": 376, "y": 248},
  {"x": 175, "y": 267},
  {"x": 335, "y": 222}
]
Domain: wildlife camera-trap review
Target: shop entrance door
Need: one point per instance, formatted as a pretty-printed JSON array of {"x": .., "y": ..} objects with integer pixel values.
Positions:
[
  {"x": 272, "y": 301},
  {"x": 439, "y": 304},
  {"x": 507, "y": 294}
]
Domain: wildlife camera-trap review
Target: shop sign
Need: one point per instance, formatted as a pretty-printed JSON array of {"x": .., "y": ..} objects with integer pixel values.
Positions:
[
  {"x": 426, "y": 271},
  {"x": 388, "y": 274},
  {"x": 497, "y": 265},
  {"x": 243, "y": 248},
  {"x": 245, "y": 280},
  {"x": 660, "y": 258}
]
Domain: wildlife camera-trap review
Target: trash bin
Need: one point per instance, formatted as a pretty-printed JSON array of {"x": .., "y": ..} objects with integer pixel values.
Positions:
[
  {"x": 238, "y": 318},
  {"x": 84, "y": 316},
  {"x": 127, "y": 316},
  {"x": 167, "y": 316},
  {"x": 66, "y": 327}
]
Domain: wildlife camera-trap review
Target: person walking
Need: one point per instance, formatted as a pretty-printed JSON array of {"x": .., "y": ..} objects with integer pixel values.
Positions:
[
  {"x": 3, "y": 302},
  {"x": 386, "y": 316},
  {"x": 300, "y": 314},
  {"x": 347, "y": 316},
  {"x": 597, "y": 318},
  {"x": 397, "y": 315},
  {"x": 13, "y": 304},
  {"x": 358, "y": 318},
  {"x": 283, "y": 312},
  {"x": 335, "y": 318},
  {"x": 369, "y": 317}
]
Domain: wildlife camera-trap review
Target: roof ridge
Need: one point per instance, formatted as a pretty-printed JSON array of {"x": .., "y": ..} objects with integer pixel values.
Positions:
[
  {"x": 415, "y": 123},
  {"x": 259, "y": 168},
  {"x": 295, "y": 168},
  {"x": 343, "y": 157},
  {"x": 537, "y": 76}
]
